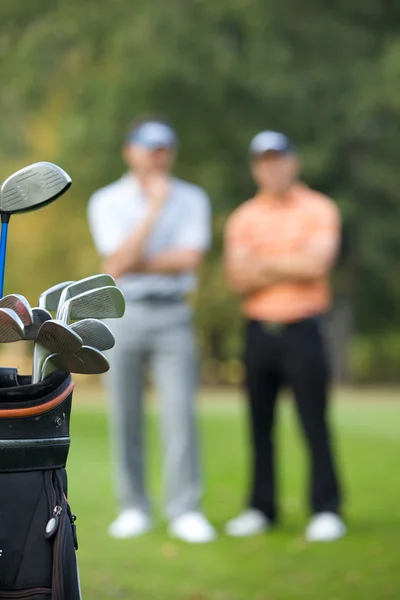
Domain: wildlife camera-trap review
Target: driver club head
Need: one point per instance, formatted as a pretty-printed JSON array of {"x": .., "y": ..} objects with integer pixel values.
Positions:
[
  {"x": 84, "y": 285},
  {"x": 101, "y": 303},
  {"x": 20, "y": 305},
  {"x": 32, "y": 187},
  {"x": 11, "y": 327}
]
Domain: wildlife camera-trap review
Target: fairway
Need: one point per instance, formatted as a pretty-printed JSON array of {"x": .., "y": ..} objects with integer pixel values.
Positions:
[{"x": 277, "y": 566}]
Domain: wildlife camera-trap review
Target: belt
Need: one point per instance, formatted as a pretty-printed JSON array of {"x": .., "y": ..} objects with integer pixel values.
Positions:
[
  {"x": 273, "y": 327},
  {"x": 155, "y": 299}
]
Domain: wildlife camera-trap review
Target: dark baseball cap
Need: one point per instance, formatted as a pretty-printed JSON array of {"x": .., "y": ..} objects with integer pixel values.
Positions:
[
  {"x": 271, "y": 141},
  {"x": 152, "y": 135}
]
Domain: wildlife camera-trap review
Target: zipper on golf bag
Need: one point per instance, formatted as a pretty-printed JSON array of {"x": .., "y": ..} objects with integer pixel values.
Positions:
[
  {"x": 60, "y": 533},
  {"x": 61, "y": 529}
]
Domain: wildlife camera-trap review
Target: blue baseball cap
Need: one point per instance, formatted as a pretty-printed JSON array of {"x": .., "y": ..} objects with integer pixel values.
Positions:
[
  {"x": 271, "y": 141},
  {"x": 152, "y": 135}
]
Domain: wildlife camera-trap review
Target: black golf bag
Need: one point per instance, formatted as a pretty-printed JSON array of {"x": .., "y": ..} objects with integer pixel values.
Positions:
[{"x": 37, "y": 528}]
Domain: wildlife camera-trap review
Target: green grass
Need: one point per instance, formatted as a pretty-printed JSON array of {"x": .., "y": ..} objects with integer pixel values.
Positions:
[{"x": 277, "y": 566}]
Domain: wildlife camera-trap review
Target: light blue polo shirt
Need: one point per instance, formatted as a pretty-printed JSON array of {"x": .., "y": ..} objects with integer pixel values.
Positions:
[{"x": 184, "y": 223}]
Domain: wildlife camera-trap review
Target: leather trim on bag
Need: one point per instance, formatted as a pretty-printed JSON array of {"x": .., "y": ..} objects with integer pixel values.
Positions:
[{"x": 12, "y": 413}]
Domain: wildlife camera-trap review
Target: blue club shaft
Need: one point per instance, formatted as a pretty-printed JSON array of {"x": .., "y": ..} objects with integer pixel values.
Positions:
[{"x": 3, "y": 250}]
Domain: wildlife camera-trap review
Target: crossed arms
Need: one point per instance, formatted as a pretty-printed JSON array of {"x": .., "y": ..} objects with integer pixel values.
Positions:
[
  {"x": 247, "y": 274},
  {"x": 129, "y": 257}
]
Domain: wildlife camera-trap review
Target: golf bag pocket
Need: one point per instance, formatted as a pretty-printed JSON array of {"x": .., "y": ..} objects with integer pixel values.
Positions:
[{"x": 37, "y": 528}]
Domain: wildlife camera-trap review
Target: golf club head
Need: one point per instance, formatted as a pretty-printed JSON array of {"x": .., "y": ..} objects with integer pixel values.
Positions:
[
  {"x": 58, "y": 337},
  {"x": 39, "y": 316},
  {"x": 94, "y": 333},
  {"x": 33, "y": 187},
  {"x": 20, "y": 305},
  {"x": 49, "y": 299},
  {"x": 60, "y": 362},
  {"x": 11, "y": 327},
  {"x": 94, "y": 361},
  {"x": 101, "y": 303},
  {"x": 89, "y": 361},
  {"x": 84, "y": 285},
  {"x": 54, "y": 337}
]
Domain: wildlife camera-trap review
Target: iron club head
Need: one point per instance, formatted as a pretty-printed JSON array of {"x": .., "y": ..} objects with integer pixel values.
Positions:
[
  {"x": 88, "y": 361},
  {"x": 60, "y": 361},
  {"x": 53, "y": 337},
  {"x": 94, "y": 333},
  {"x": 20, "y": 305},
  {"x": 39, "y": 316},
  {"x": 94, "y": 361},
  {"x": 84, "y": 285},
  {"x": 50, "y": 298},
  {"x": 11, "y": 326},
  {"x": 57, "y": 336},
  {"x": 101, "y": 303}
]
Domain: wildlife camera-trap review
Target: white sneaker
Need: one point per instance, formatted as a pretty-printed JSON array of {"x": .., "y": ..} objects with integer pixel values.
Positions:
[
  {"x": 130, "y": 523},
  {"x": 325, "y": 527},
  {"x": 250, "y": 522},
  {"x": 192, "y": 527}
]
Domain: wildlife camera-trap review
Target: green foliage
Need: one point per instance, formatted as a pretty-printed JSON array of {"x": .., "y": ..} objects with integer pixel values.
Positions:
[
  {"x": 74, "y": 74},
  {"x": 375, "y": 358}
]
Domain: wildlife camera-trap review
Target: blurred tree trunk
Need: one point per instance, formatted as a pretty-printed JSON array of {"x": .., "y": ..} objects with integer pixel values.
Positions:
[{"x": 339, "y": 331}]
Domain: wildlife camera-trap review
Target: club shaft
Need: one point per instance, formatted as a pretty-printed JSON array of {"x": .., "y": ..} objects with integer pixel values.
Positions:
[{"x": 3, "y": 250}]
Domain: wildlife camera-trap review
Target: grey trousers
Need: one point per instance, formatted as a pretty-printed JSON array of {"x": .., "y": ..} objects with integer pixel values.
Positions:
[{"x": 162, "y": 337}]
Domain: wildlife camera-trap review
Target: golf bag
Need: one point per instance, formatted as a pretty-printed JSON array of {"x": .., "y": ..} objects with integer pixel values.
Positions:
[{"x": 37, "y": 528}]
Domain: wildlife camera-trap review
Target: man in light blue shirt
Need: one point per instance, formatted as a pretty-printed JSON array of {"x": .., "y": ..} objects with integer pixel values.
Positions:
[{"x": 152, "y": 231}]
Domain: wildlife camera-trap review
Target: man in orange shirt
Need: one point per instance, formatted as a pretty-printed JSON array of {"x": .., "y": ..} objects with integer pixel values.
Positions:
[{"x": 280, "y": 247}]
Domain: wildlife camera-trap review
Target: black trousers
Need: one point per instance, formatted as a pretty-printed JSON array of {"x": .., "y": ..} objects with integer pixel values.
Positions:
[{"x": 294, "y": 356}]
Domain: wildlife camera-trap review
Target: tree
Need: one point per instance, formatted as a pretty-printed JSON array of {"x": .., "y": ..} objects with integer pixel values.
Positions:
[{"x": 221, "y": 71}]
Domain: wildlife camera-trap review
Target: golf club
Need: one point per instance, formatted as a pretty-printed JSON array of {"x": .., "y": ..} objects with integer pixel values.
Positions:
[
  {"x": 60, "y": 361},
  {"x": 20, "y": 305},
  {"x": 101, "y": 303},
  {"x": 28, "y": 189},
  {"x": 84, "y": 285},
  {"x": 53, "y": 337},
  {"x": 11, "y": 326},
  {"x": 49, "y": 299},
  {"x": 39, "y": 316},
  {"x": 94, "y": 333},
  {"x": 88, "y": 361}
]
